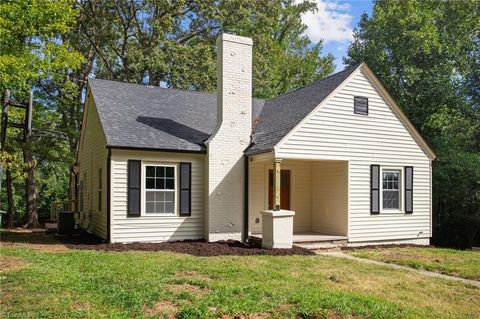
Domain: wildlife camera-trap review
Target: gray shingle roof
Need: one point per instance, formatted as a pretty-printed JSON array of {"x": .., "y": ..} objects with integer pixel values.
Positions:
[
  {"x": 281, "y": 114},
  {"x": 140, "y": 116}
]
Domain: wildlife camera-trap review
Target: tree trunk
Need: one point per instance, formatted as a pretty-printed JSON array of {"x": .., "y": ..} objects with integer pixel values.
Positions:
[
  {"x": 30, "y": 189},
  {"x": 10, "y": 203}
]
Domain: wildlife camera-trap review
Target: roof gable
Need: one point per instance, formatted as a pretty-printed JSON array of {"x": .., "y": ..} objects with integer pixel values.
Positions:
[
  {"x": 282, "y": 114},
  {"x": 398, "y": 111},
  {"x": 381, "y": 92}
]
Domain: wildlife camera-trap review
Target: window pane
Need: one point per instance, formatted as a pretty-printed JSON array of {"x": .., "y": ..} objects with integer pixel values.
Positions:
[
  {"x": 159, "y": 207},
  {"x": 150, "y": 207},
  {"x": 169, "y": 207},
  {"x": 160, "y": 196},
  {"x": 169, "y": 196},
  {"x": 160, "y": 171},
  {"x": 150, "y": 171},
  {"x": 150, "y": 196},
  {"x": 170, "y": 183},
  {"x": 159, "y": 183},
  {"x": 169, "y": 172},
  {"x": 150, "y": 183},
  {"x": 391, "y": 199},
  {"x": 391, "y": 180}
]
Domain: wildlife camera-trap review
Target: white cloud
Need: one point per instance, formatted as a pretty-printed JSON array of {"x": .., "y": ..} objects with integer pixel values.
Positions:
[{"x": 331, "y": 22}]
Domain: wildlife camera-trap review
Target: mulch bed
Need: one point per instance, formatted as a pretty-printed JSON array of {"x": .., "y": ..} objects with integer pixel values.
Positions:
[
  {"x": 200, "y": 248},
  {"x": 192, "y": 247}
]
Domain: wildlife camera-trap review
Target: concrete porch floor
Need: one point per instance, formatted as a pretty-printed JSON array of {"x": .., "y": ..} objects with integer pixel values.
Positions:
[{"x": 310, "y": 237}]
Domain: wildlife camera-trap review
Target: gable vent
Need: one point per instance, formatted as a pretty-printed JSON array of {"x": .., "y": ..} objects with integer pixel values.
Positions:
[{"x": 360, "y": 105}]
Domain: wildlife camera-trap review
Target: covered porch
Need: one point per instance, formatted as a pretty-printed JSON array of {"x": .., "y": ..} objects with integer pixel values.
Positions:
[{"x": 316, "y": 190}]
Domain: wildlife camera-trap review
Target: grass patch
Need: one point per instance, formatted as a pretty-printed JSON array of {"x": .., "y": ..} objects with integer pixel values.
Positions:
[
  {"x": 465, "y": 264},
  {"x": 95, "y": 284}
]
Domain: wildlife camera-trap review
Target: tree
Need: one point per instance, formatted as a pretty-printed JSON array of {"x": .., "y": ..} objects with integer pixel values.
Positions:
[
  {"x": 173, "y": 44},
  {"x": 33, "y": 51},
  {"x": 426, "y": 53}
]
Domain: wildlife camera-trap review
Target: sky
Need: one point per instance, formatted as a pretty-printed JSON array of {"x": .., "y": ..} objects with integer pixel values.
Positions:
[{"x": 334, "y": 22}]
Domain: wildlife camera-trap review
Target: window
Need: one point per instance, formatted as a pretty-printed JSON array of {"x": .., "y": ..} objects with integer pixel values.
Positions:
[
  {"x": 391, "y": 189},
  {"x": 160, "y": 189},
  {"x": 99, "y": 189},
  {"x": 360, "y": 105}
]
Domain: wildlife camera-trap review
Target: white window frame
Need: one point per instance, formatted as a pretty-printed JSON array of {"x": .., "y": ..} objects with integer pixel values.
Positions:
[
  {"x": 144, "y": 189},
  {"x": 401, "y": 207}
]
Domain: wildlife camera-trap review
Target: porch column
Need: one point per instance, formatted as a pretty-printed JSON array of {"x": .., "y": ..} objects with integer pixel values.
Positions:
[{"x": 276, "y": 183}]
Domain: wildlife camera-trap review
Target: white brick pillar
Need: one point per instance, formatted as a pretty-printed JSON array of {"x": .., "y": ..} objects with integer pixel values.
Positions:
[{"x": 225, "y": 163}]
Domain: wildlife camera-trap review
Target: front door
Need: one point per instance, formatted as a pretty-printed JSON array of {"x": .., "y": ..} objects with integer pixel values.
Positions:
[{"x": 284, "y": 189}]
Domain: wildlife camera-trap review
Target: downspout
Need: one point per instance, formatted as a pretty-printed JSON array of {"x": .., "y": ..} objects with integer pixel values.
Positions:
[
  {"x": 109, "y": 168},
  {"x": 245, "y": 204},
  {"x": 75, "y": 187}
]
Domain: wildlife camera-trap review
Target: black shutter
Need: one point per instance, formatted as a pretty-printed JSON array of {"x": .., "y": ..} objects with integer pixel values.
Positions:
[
  {"x": 408, "y": 189},
  {"x": 375, "y": 189},
  {"x": 134, "y": 182},
  {"x": 185, "y": 189}
]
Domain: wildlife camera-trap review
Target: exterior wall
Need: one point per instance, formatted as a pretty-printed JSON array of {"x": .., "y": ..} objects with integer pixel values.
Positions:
[
  {"x": 225, "y": 160},
  {"x": 300, "y": 193},
  {"x": 154, "y": 228},
  {"x": 334, "y": 132},
  {"x": 92, "y": 157},
  {"x": 330, "y": 197}
]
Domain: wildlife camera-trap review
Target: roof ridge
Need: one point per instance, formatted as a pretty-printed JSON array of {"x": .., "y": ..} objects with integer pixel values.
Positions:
[
  {"x": 159, "y": 87},
  {"x": 317, "y": 81},
  {"x": 152, "y": 86}
]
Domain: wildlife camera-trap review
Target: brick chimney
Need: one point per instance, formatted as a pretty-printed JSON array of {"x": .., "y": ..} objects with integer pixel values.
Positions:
[{"x": 225, "y": 162}]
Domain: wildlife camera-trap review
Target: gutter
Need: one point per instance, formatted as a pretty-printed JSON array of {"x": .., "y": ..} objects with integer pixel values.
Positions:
[
  {"x": 110, "y": 147},
  {"x": 109, "y": 168}
]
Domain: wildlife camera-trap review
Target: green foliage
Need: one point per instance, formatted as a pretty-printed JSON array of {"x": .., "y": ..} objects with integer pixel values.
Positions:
[
  {"x": 30, "y": 47},
  {"x": 33, "y": 54},
  {"x": 173, "y": 43},
  {"x": 426, "y": 53}
]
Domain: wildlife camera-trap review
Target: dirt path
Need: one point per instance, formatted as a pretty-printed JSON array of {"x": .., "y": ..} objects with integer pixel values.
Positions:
[{"x": 419, "y": 271}]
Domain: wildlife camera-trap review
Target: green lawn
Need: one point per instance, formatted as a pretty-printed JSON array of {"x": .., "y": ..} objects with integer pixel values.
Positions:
[
  {"x": 91, "y": 284},
  {"x": 459, "y": 263}
]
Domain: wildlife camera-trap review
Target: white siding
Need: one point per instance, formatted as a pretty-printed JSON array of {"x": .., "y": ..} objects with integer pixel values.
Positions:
[
  {"x": 330, "y": 197},
  {"x": 92, "y": 157},
  {"x": 333, "y": 131},
  {"x": 155, "y": 228}
]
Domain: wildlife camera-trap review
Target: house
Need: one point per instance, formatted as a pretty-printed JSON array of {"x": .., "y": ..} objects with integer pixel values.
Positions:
[{"x": 158, "y": 164}]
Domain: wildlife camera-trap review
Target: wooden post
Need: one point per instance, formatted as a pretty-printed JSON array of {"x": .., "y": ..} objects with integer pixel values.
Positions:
[{"x": 276, "y": 183}]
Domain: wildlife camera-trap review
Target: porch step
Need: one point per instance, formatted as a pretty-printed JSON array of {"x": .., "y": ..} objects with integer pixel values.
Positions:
[{"x": 323, "y": 245}]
